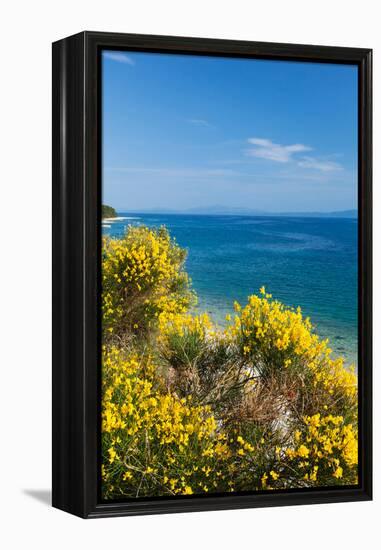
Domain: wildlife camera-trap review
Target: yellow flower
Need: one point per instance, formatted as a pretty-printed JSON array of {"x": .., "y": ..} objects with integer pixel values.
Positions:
[
  {"x": 147, "y": 420},
  {"x": 112, "y": 455},
  {"x": 173, "y": 483},
  {"x": 264, "y": 479},
  {"x": 313, "y": 474},
  {"x": 303, "y": 451}
]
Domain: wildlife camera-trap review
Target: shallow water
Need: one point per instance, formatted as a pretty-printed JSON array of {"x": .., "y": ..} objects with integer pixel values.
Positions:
[{"x": 311, "y": 262}]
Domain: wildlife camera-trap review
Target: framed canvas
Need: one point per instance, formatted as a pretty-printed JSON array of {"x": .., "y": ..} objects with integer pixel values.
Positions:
[{"x": 211, "y": 274}]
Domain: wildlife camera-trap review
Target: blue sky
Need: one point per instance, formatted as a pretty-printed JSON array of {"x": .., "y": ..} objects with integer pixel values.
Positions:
[{"x": 184, "y": 132}]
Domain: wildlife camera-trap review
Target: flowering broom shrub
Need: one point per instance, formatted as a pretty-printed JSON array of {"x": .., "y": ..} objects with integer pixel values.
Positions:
[
  {"x": 142, "y": 276},
  {"x": 201, "y": 361},
  {"x": 191, "y": 408},
  {"x": 279, "y": 344},
  {"x": 155, "y": 443}
]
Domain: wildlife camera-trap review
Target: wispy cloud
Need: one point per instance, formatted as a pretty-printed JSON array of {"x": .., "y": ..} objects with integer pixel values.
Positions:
[
  {"x": 321, "y": 165},
  {"x": 175, "y": 172},
  {"x": 267, "y": 149},
  {"x": 119, "y": 57},
  {"x": 199, "y": 122}
]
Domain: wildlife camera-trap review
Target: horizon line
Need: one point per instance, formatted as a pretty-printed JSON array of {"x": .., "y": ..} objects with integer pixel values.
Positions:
[{"x": 352, "y": 213}]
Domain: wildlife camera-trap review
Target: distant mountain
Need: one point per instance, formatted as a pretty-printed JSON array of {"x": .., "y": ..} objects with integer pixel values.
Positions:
[
  {"x": 223, "y": 210},
  {"x": 217, "y": 210}
]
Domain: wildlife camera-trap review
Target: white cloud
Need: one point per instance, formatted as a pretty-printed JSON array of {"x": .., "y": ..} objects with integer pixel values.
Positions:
[
  {"x": 120, "y": 57},
  {"x": 176, "y": 172},
  {"x": 198, "y": 122},
  {"x": 322, "y": 165},
  {"x": 267, "y": 149}
]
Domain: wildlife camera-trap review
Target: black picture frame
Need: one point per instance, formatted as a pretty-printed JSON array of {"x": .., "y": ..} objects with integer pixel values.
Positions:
[{"x": 76, "y": 267}]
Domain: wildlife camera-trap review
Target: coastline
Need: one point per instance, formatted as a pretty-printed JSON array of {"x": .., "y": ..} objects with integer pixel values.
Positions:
[
  {"x": 230, "y": 258},
  {"x": 342, "y": 346},
  {"x": 119, "y": 219}
]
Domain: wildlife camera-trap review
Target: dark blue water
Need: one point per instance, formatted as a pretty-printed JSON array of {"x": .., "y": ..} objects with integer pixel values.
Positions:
[{"x": 311, "y": 262}]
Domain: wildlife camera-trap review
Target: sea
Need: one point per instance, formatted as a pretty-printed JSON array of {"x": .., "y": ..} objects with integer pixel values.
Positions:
[{"x": 309, "y": 262}]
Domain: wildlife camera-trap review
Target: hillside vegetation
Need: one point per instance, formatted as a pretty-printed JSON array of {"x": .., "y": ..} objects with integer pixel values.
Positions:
[
  {"x": 190, "y": 408},
  {"x": 108, "y": 211}
]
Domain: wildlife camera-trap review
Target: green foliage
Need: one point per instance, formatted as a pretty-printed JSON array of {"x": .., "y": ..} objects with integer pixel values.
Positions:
[
  {"x": 154, "y": 442},
  {"x": 191, "y": 408},
  {"x": 108, "y": 211},
  {"x": 143, "y": 276}
]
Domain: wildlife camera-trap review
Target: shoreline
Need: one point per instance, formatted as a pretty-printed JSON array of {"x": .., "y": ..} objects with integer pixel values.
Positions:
[
  {"x": 340, "y": 332},
  {"x": 349, "y": 353},
  {"x": 119, "y": 218}
]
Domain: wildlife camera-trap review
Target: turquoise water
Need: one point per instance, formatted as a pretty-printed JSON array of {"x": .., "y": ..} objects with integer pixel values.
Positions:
[{"x": 311, "y": 262}]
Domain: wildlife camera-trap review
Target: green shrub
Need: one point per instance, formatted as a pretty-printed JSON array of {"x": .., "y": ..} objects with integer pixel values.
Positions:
[
  {"x": 142, "y": 276},
  {"x": 191, "y": 408},
  {"x": 108, "y": 211}
]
